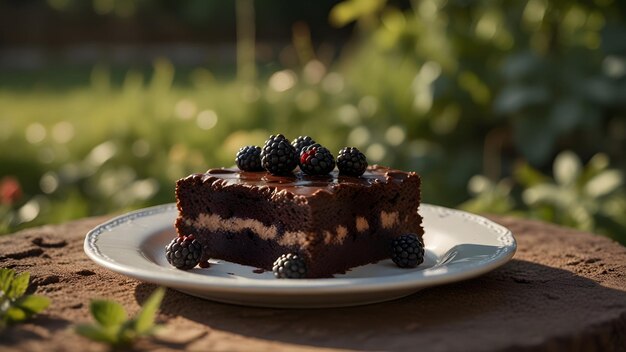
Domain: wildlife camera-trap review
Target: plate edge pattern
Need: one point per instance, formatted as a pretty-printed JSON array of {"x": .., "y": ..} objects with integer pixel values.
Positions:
[
  {"x": 504, "y": 236},
  {"x": 94, "y": 234}
]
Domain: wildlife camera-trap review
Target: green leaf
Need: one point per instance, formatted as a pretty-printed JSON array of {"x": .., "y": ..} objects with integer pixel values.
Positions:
[
  {"x": 597, "y": 163},
  {"x": 604, "y": 183},
  {"x": 15, "y": 306},
  {"x": 26, "y": 307},
  {"x": 543, "y": 193},
  {"x": 33, "y": 303},
  {"x": 528, "y": 176},
  {"x": 567, "y": 168},
  {"x": 6, "y": 278},
  {"x": 115, "y": 328},
  {"x": 108, "y": 313},
  {"x": 145, "y": 319},
  {"x": 18, "y": 286},
  {"x": 127, "y": 333},
  {"x": 15, "y": 314},
  {"x": 98, "y": 333},
  {"x": 351, "y": 10}
]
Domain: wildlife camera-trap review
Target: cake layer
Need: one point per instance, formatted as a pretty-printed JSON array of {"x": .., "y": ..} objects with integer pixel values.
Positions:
[
  {"x": 334, "y": 222},
  {"x": 256, "y": 252}
]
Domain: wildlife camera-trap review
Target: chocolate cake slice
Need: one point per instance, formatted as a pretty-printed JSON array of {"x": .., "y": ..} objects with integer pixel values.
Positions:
[{"x": 335, "y": 222}]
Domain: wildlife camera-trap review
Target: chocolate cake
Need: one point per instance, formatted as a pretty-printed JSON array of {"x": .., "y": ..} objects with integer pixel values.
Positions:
[{"x": 334, "y": 222}]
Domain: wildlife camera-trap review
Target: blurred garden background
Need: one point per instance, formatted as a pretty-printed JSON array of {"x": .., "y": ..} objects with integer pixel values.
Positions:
[{"x": 507, "y": 107}]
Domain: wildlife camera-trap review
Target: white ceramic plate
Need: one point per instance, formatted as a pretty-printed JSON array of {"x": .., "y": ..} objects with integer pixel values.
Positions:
[{"x": 459, "y": 246}]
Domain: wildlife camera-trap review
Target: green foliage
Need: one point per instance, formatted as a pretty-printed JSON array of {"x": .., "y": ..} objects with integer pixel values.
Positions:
[
  {"x": 351, "y": 10},
  {"x": 538, "y": 73},
  {"x": 15, "y": 306},
  {"x": 113, "y": 326},
  {"x": 489, "y": 196},
  {"x": 505, "y": 83},
  {"x": 590, "y": 197}
]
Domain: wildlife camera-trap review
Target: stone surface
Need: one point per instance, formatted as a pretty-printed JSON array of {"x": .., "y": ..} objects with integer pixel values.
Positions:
[{"x": 563, "y": 291}]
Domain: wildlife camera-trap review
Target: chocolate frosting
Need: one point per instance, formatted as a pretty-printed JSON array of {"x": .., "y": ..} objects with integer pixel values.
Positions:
[{"x": 302, "y": 184}]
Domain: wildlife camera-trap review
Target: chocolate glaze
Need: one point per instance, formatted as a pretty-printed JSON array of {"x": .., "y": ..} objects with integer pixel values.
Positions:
[{"x": 302, "y": 184}]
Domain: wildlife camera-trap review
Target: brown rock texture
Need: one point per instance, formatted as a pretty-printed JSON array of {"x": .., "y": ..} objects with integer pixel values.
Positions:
[{"x": 563, "y": 291}]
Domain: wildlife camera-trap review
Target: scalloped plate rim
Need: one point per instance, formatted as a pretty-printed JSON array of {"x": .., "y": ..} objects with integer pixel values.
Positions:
[{"x": 413, "y": 279}]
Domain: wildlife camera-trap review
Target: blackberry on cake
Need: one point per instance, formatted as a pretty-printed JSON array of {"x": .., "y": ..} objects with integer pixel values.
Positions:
[
  {"x": 407, "y": 251},
  {"x": 289, "y": 266},
  {"x": 249, "y": 158},
  {"x": 316, "y": 160},
  {"x": 333, "y": 223},
  {"x": 184, "y": 252},
  {"x": 301, "y": 142},
  {"x": 351, "y": 162},
  {"x": 278, "y": 156}
]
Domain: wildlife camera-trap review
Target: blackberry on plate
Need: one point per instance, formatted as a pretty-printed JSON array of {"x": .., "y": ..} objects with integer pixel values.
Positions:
[
  {"x": 301, "y": 142},
  {"x": 249, "y": 158},
  {"x": 351, "y": 162},
  {"x": 407, "y": 251},
  {"x": 316, "y": 160},
  {"x": 278, "y": 157},
  {"x": 289, "y": 266},
  {"x": 184, "y": 252}
]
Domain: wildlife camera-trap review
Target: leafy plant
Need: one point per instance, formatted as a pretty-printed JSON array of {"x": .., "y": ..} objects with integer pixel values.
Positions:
[
  {"x": 489, "y": 196},
  {"x": 15, "y": 306},
  {"x": 113, "y": 326},
  {"x": 495, "y": 80},
  {"x": 588, "y": 197}
]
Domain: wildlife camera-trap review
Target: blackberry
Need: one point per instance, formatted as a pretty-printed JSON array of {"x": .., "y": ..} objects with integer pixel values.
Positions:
[
  {"x": 316, "y": 160},
  {"x": 351, "y": 162},
  {"x": 278, "y": 156},
  {"x": 289, "y": 266},
  {"x": 184, "y": 252},
  {"x": 407, "y": 251},
  {"x": 301, "y": 142},
  {"x": 249, "y": 158}
]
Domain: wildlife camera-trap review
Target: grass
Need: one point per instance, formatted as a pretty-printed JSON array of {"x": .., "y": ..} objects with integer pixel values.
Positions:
[{"x": 113, "y": 145}]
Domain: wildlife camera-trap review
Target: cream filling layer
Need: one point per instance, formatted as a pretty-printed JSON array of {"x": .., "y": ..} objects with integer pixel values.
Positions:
[
  {"x": 388, "y": 220},
  {"x": 341, "y": 232},
  {"x": 214, "y": 223},
  {"x": 361, "y": 224}
]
